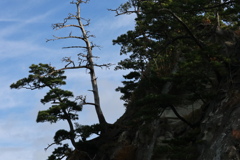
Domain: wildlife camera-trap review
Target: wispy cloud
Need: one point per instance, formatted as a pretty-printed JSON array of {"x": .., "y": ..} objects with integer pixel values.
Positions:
[
  {"x": 14, "y": 28},
  {"x": 107, "y": 25},
  {"x": 123, "y": 21},
  {"x": 19, "y": 134}
]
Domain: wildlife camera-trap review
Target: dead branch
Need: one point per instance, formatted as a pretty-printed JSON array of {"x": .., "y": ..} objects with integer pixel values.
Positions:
[
  {"x": 57, "y": 27},
  {"x": 82, "y": 55},
  {"x": 68, "y": 59},
  {"x": 74, "y": 47},
  {"x": 92, "y": 46},
  {"x": 89, "y": 103},
  {"x": 79, "y": 1},
  {"x": 108, "y": 65},
  {"x": 122, "y": 13},
  {"x": 83, "y": 101},
  {"x": 49, "y": 145},
  {"x": 65, "y": 68},
  {"x": 70, "y": 36}
]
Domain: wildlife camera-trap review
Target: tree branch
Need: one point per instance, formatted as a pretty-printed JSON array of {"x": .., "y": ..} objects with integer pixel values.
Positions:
[
  {"x": 57, "y": 26},
  {"x": 72, "y": 137},
  {"x": 122, "y": 13},
  {"x": 104, "y": 65},
  {"x": 184, "y": 25},
  {"x": 79, "y": 1},
  {"x": 180, "y": 117},
  {"x": 65, "y": 68},
  {"x": 74, "y": 47},
  {"x": 57, "y": 38},
  {"x": 49, "y": 145},
  {"x": 92, "y": 46},
  {"x": 219, "y": 5},
  {"x": 89, "y": 103}
]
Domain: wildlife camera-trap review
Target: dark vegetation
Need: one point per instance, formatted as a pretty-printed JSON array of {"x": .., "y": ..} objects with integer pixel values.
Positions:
[{"x": 179, "y": 53}]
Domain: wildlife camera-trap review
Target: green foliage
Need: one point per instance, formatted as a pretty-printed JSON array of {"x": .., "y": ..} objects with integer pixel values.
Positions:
[
  {"x": 56, "y": 93},
  {"x": 41, "y": 75},
  {"x": 175, "y": 41},
  {"x": 60, "y": 152},
  {"x": 86, "y": 131},
  {"x": 49, "y": 115},
  {"x": 61, "y": 135},
  {"x": 124, "y": 7},
  {"x": 62, "y": 106}
]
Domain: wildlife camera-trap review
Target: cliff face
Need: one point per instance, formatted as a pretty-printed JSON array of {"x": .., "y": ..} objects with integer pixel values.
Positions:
[
  {"x": 217, "y": 137},
  {"x": 204, "y": 130},
  {"x": 221, "y": 127},
  {"x": 214, "y": 133}
]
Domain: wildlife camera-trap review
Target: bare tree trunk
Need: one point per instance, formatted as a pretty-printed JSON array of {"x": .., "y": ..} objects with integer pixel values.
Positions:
[
  {"x": 89, "y": 47},
  {"x": 88, "y": 58}
]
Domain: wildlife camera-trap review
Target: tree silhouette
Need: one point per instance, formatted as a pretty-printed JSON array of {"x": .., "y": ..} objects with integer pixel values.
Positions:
[{"x": 64, "y": 105}]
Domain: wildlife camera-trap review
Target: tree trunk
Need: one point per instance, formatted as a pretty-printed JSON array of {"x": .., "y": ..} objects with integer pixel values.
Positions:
[{"x": 98, "y": 109}]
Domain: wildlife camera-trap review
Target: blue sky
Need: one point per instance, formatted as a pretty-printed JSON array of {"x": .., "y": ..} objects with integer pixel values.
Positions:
[{"x": 24, "y": 27}]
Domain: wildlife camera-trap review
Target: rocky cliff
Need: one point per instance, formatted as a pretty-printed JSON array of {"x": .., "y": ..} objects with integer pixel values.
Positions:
[
  {"x": 203, "y": 130},
  {"x": 207, "y": 130}
]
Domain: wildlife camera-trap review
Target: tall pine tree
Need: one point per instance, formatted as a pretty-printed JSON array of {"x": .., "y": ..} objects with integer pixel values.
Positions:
[{"x": 177, "y": 48}]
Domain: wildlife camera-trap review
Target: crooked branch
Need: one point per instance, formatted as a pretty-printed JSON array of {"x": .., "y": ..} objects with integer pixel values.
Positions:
[
  {"x": 104, "y": 65},
  {"x": 122, "y": 13},
  {"x": 57, "y": 26},
  {"x": 184, "y": 25},
  {"x": 80, "y": 1},
  {"x": 180, "y": 117},
  {"x": 49, "y": 146},
  {"x": 65, "y": 68},
  {"x": 70, "y": 36}
]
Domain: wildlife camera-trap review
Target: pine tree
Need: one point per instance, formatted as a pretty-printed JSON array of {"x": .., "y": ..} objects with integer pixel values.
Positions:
[
  {"x": 176, "y": 48},
  {"x": 63, "y": 104}
]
